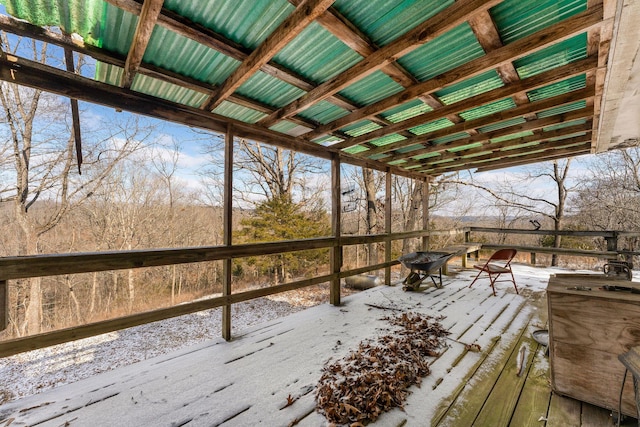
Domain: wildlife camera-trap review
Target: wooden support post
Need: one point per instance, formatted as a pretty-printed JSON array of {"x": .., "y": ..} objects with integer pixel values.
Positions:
[
  {"x": 533, "y": 258},
  {"x": 227, "y": 221},
  {"x": 425, "y": 213},
  {"x": 4, "y": 305},
  {"x": 387, "y": 226},
  {"x": 612, "y": 242},
  {"x": 336, "y": 251}
]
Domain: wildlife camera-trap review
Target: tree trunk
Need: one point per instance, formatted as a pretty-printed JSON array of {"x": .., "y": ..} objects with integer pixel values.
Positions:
[{"x": 371, "y": 218}]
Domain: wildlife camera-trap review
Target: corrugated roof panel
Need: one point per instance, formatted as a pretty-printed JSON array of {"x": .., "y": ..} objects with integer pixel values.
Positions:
[
  {"x": 559, "y": 88},
  {"x": 516, "y": 19},
  {"x": 573, "y": 135},
  {"x": 182, "y": 55},
  {"x": 397, "y": 162},
  {"x": 383, "y": 20},
  {"x": 425, "y": 156},
  {"x": 562, "y": 109},
  {"x": 82, "y": 17},
  {"x": 406, "y": 111},
  {"x": 502, "y": 125},
  {"x": 450, "y": 138},
  {"x": 388, "y": 139},
  {"x": 168, "y": 91},
  {"x": 514, "y": 147},
  {"x": 118, "y": 28},
  {"x": 372, "y": 88},
  {"x": 410, "y": 148},
  {"x": 431, "y": 126},
  {"x": 317, "y": 55},
  {"x": 379, "y": 156},
  {"x": 466, "y": 147},
  {"x": 355, "y": 149},
  {"x": 448, "y": 51},
  {"x": 360, "y": 128},
  {"x": 564, "y": 125},
  {"x": 238, "y": 112},
  {"x": 512, "y": 136},
  {"x": 290, "y": 128},
  {"x": 472, "y": 155},
  {"x": 109, "y": 74},
  {"x": 327, "y": 140},
  {"x": 323, "y": 112},
  {"x": 269, "y": 90},
  {"x": 470, "y": 87},
  {"x": 247, "y": 22},
  {"x": 553, "y": 56},
  {"x": 487, "y": 109}
]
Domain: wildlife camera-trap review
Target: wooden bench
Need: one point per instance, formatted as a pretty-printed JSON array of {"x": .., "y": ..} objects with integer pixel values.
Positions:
[{"x": 461, "y": 250}]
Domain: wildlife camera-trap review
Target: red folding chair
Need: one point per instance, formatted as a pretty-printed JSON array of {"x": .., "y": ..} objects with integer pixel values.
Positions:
[{"x": 495, "y": 269}]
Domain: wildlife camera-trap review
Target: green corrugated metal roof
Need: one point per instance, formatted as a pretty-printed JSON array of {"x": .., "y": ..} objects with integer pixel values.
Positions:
[
  {"x": 564, "y": 125},
  {"x": 406, "y": 111},
  {"x": 562, "y": 109},
  {"x": 487, "y": 109},
  {"x": 384, "y": 21},
  {"x": 73, "y": 16},
  {"x": 511, "y": 136},
  {"x": 470, "y": 87},
  {"x": 372, "y": 88},
  {"x": 317, "y": 55},
  {"x": 553, "y": 56},
  {"x": 431, "y": 126},
  {"x": 516, "y": 19},
  {"x": 574, "y": 83},
  {"x": 443, "y": 53},
  {"x": 246, "y": 22}
]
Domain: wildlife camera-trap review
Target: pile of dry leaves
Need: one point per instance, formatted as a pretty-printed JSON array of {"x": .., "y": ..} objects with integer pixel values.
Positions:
[{"x": 375, "y": 378}]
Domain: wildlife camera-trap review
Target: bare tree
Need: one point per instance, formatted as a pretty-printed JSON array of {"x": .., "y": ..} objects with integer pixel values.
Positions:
[
  {"x": 542, "y": 190},
  {"x": 42, "y": 145}
]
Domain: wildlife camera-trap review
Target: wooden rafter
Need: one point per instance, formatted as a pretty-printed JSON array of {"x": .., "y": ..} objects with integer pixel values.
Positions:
[
  {"x": 75, "y": 112},
  {"x": 286, "y": 31},
  {"x": 144, "y": 29},
  {"x": 518, "y": 49},
  {"x": 453, "y": 16}
]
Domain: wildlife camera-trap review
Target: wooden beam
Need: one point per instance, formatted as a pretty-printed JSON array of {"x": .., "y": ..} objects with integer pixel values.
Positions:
[
  {"x": 517, "y": 87},
  {"x": 75, "y": 112},
  {"x": 4, "y": 305},
  {"x": 442, "y": 22},
  {"x": 146, "y": 21},
  {"x": 518, "y": 49},
  {"x": 227, "y": 225},
  {"x": 293, "y": 25},
  {"x": 388, "y": 212},
  {"x": 335, "y": 256}
]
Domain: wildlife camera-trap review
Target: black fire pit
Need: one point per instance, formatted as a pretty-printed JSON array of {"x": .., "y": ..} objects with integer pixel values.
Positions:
[{"x": 423, "y": 264}]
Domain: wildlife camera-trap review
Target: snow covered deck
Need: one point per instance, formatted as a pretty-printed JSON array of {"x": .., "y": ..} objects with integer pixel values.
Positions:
[{"x": 248, "y": 381}]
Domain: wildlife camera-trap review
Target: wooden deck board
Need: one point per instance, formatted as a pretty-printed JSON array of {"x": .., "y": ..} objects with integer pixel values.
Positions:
[{"x": 247, "y": 381}]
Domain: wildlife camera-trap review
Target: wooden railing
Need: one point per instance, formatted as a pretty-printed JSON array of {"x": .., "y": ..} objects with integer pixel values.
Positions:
[{"x": 22, "y": 267}]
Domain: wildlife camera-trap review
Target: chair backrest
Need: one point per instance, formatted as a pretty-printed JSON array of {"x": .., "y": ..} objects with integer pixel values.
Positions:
[{"x": 503, "y": 255}]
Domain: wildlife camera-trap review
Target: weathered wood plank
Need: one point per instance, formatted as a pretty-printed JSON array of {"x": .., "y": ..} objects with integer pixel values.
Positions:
[
  {"x": 501, "y": 402},
  {"x": 593, "y": 416},
  {"x": 144, "y": 28},
  {"x": 462, "y": 407},
  {"x": 563, "y": 412},
  {"x": 533, "y": 402}
]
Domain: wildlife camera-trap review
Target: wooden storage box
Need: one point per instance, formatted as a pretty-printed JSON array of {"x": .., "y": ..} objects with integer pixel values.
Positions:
[{"x": 588, "y": 329}]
